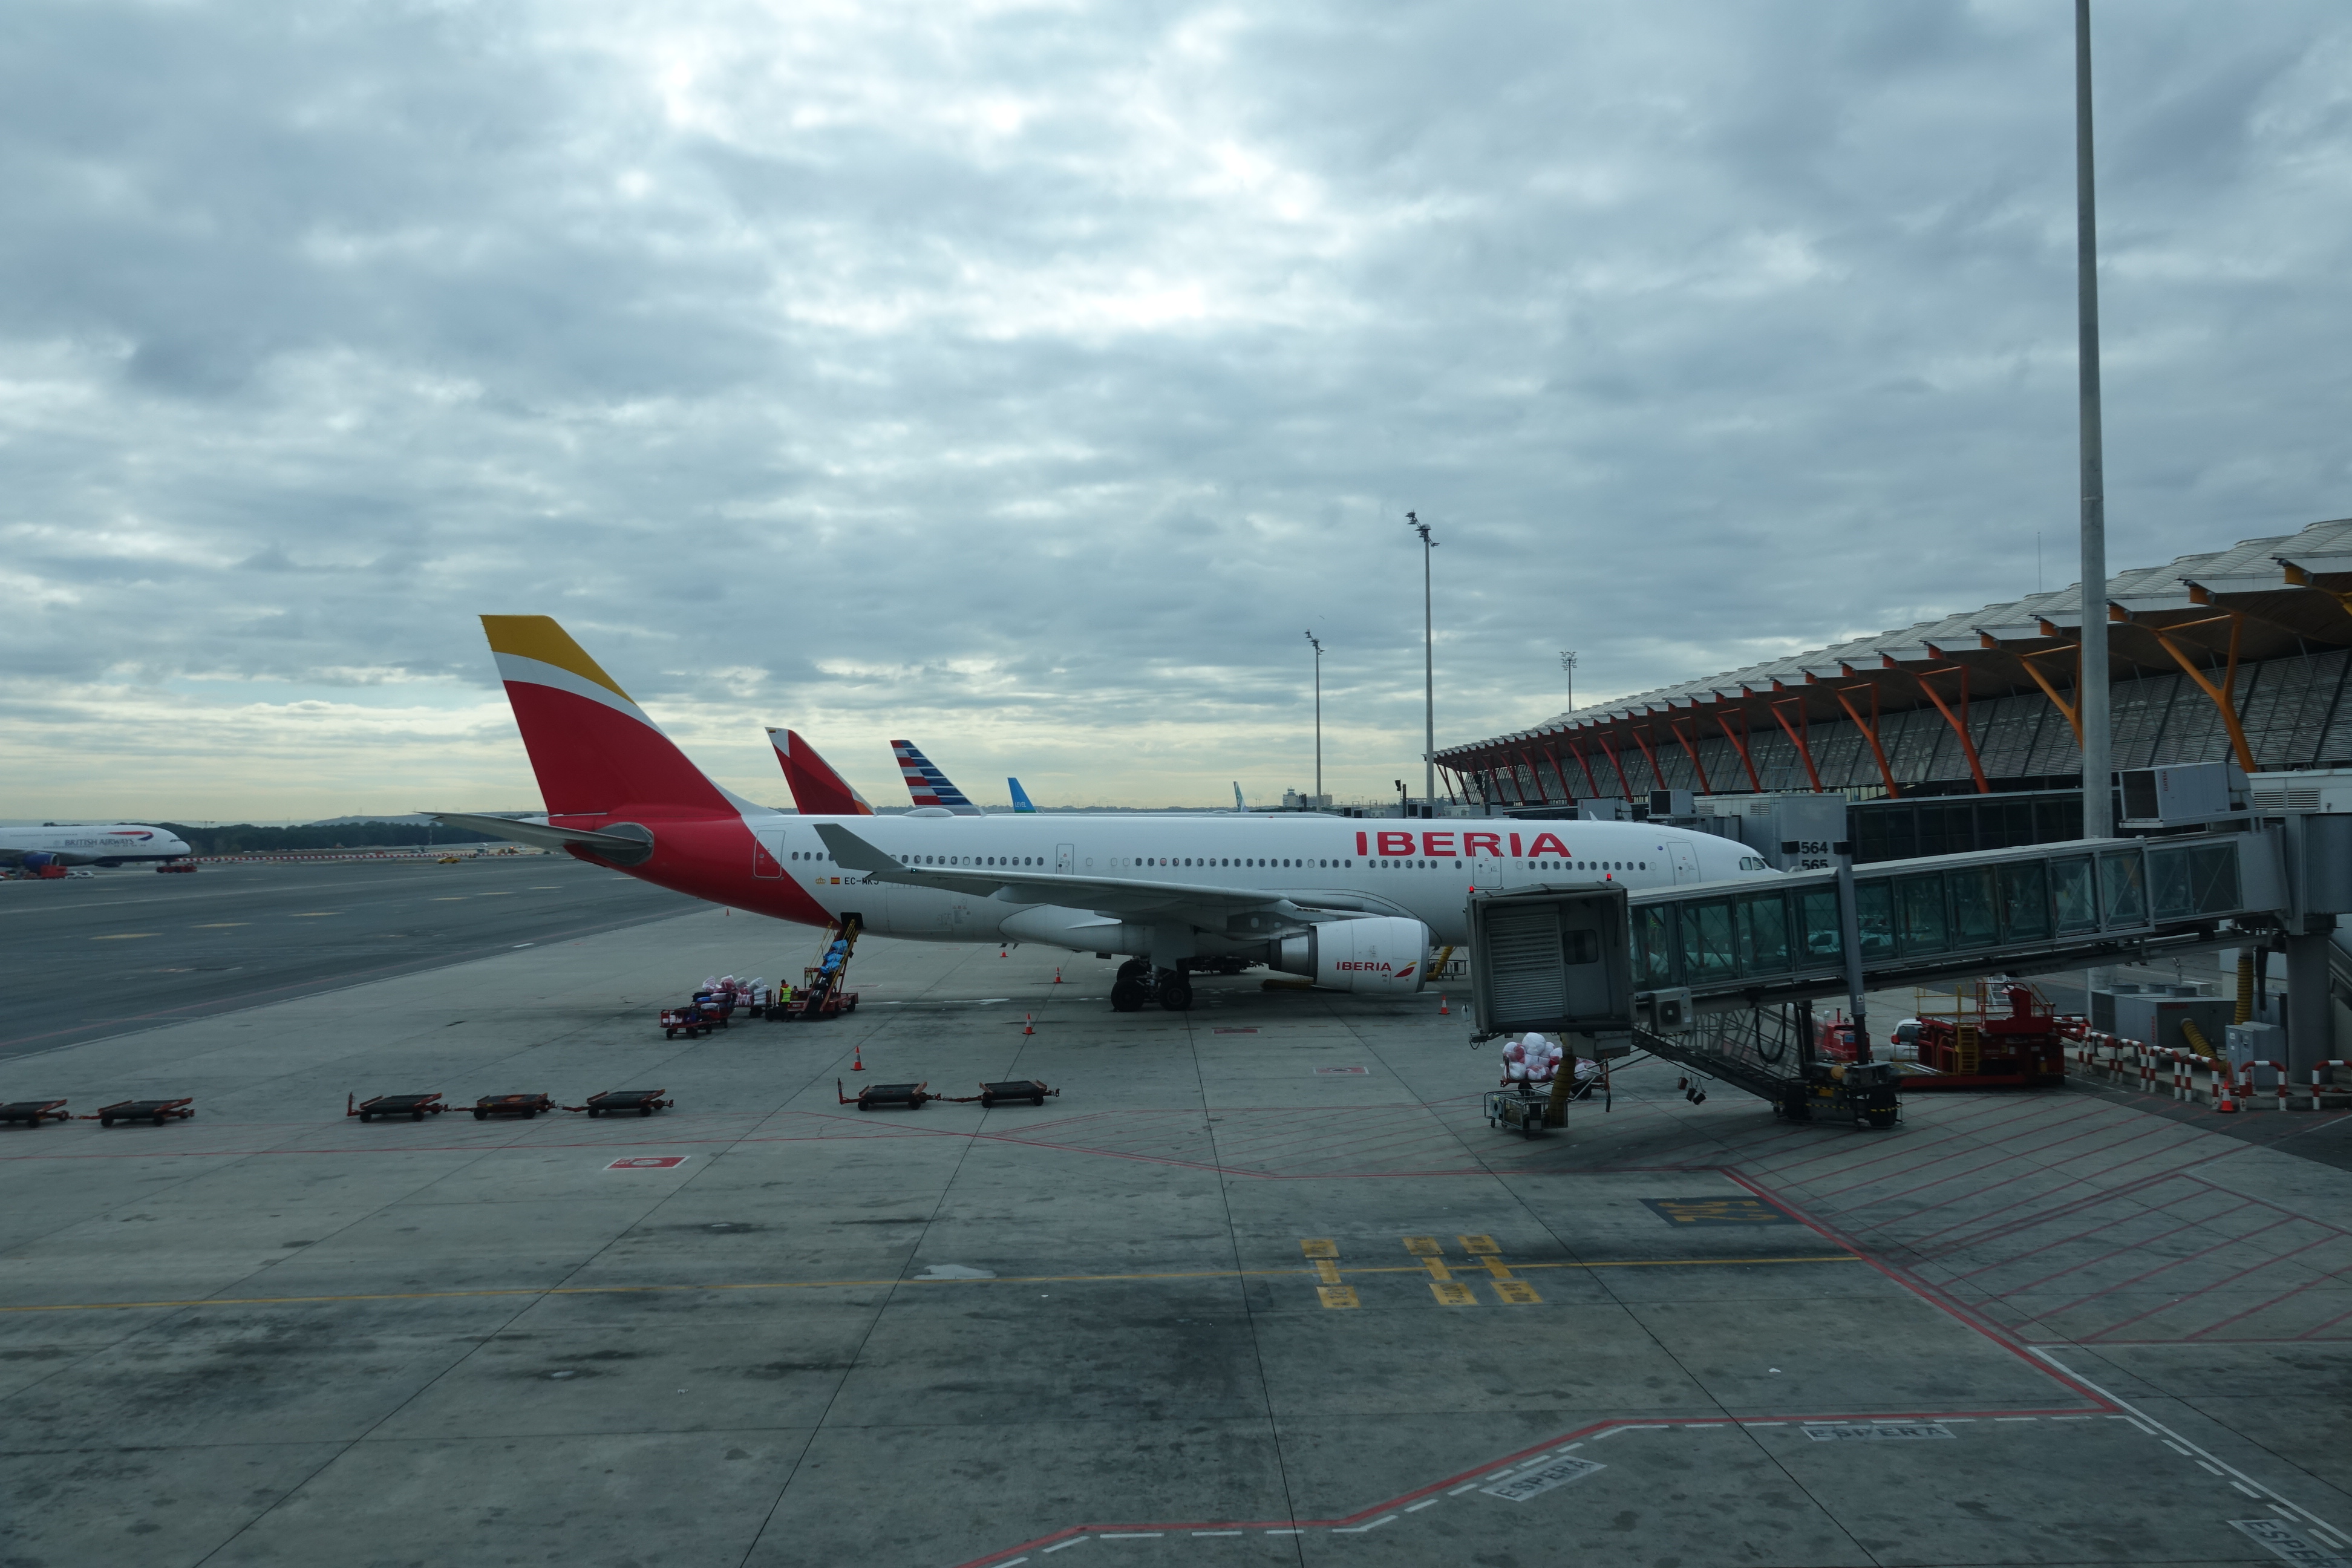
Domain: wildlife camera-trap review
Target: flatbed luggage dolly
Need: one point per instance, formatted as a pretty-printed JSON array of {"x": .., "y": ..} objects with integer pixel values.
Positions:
[
  {"x": 155, "y": 1110},
  {"x": 33, "y": 1112},
  {"x": 523, "y": 1105},
  {"x": 620, "y": 1101},
  {"x": 412, "y": 1106}
]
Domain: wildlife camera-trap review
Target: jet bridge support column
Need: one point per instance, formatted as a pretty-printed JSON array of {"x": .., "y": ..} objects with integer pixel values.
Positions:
[
  {"x": 1850, "y": 933},
  {"x": 2319, "y": 879}
]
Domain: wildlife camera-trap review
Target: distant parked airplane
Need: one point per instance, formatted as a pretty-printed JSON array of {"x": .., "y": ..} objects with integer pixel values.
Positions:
[
  {"x": 1021, "y": 805},
  {"x": 817, "y": 789},
  {"x": 932, "y": 789},
  {"x": 111, "y": 844}
]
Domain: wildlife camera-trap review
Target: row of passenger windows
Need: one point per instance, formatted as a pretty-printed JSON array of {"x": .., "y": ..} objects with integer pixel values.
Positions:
[
  {"x": 1587, "y": 865},
  {"x": 1129, "y": 862}
]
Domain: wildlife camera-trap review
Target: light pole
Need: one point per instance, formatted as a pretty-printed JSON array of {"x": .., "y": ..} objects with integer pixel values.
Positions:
[
  {"x": 1568, "y": 668},
  {"x": 1428, "y": 665},
  {"x": 1318, "y": 719},
  {"x": 2090, "y": 689}
]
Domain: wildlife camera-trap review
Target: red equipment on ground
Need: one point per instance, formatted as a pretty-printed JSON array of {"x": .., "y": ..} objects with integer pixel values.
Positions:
[{"x": 1977, "y": 1046}]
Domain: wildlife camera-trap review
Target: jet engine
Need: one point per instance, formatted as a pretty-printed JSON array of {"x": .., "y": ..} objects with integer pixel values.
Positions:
[{"x": 1383, "y": 957}]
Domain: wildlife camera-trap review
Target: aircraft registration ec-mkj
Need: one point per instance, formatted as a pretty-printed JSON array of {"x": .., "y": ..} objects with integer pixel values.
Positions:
[{"x": 1353, "y": 905}]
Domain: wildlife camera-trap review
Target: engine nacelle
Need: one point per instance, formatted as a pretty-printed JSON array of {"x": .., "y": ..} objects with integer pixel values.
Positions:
[
  {"x": 41, "y": 859},
  {"x": 1384, "y": 956}
]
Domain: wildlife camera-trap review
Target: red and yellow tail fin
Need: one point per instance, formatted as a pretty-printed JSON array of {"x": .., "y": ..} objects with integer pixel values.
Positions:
[{"x": 595, "y": 752}]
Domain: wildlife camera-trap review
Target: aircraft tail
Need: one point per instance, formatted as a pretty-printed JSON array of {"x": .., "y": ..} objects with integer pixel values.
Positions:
[
  {"x": 1021, "y": 805},
  {"x": 930, "y": 786},
  {"x": 817, "y": 789},
  {"x": 595, "y": 752}
]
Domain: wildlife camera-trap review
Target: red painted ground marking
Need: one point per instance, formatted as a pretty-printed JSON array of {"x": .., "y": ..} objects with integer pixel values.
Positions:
[
  {"x": 2133, "y": 1246},
  {"x": 1993, "y": 1158},
  {"x": 2101, "y": 1407},
  {"x": 1988, "y": 1237},
  {"x": 2161, "y": 1267},
  {"x": 2218, "y": 1284},
  {"x": 2056, "y": 1211},
  {"x": 649, "y": 1163}
]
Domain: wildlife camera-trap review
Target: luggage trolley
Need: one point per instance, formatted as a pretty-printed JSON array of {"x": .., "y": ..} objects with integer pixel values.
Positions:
[
  {"x": 158, "y": 1111},
  {"x": 412, "y": 1106},
  {"x": 33, "y": 1112},
  {"x": 621, "y": 1102},
  {"x": 523, "y": 1105}
]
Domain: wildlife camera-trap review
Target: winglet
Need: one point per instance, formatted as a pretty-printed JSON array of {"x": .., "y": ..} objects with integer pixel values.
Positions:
[{"x": 854, "y": 853}]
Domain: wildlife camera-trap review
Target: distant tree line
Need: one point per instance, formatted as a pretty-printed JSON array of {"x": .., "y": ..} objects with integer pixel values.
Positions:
[{"x": 244, "y": 839}]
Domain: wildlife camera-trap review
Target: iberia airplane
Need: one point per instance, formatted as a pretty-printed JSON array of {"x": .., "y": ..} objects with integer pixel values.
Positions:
[{"x": 1353, "y": 905}]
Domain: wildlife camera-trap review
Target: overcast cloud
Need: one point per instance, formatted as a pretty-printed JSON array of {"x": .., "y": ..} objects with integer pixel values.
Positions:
[{"x": 1025, "y": 379}]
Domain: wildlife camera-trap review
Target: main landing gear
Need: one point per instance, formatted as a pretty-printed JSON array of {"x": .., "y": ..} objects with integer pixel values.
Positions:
[{"x": 1138, "y": 983}]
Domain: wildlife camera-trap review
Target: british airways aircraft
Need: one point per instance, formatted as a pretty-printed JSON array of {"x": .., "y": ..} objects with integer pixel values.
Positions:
[
  {"x": 1353, "y": 905},
  {"x": 111, "y": 844}
]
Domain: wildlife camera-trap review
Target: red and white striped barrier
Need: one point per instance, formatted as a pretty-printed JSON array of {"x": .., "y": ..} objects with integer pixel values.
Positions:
[{"x": 2324, "y": 1080}]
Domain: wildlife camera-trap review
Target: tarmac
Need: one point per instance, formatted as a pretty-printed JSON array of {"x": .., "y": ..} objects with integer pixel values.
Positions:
[{"x": 1260, "y": 1285}]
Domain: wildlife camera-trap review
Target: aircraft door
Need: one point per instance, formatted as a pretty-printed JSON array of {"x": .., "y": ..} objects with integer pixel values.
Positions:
[
  {"x": 768, "y": 853},
  {"x": 1685, "y": 862},
  {"x": 1066, "y": 857}
]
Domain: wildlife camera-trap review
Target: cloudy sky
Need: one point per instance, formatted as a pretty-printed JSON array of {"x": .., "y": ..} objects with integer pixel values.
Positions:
[{"x": 1026, "y": 379}]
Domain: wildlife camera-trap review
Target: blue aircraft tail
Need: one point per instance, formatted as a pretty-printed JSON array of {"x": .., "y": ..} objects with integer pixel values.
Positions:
[{"x": 1021, "y": 802}]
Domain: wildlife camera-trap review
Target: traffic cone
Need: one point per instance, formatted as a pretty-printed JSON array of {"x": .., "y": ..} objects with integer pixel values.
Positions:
[
  {"x": 1003, "y": 955},
  {"x": 857, "y": 1059},
  {"x": 1057, "y": 975},
  {"x": 1028, "y": 1024},
  {"x": 1443, "y": 1010}
]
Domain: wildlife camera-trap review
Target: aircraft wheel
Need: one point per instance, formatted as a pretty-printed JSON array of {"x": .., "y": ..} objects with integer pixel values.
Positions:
[
  {"x": 1127, "y": 995},
  {"x": 1136, "y": 969},
  {"x": 1175, "y": 992}
]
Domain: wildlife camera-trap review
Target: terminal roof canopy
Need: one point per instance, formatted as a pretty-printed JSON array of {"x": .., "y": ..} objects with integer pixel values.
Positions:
[{"x": 2262, "y": 599}]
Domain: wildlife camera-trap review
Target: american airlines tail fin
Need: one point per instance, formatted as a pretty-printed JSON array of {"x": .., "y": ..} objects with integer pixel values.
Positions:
[
  {"x": 817, "y": 788},
  {"x": 595, "y": 752},
  {"x": 930, "y": 786},
  {"x": 1021, "y": 803}
]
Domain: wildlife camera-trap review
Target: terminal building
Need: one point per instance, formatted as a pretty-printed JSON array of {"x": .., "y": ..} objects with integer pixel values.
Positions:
[{"x": 2242, "y": 655}]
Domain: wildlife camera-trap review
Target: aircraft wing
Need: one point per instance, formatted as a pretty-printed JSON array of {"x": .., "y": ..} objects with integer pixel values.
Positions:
[
  {"x": 611, "y": 846},
  {"x": 1126, "y": 897}
]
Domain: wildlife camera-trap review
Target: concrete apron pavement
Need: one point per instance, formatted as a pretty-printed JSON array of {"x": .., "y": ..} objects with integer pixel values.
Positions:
[{"x": 1260, "y": 1287}]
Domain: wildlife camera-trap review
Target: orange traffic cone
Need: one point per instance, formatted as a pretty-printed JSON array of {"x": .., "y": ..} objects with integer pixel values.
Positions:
[
  {"x": 1004, "y": 955},
  {"x": 1057, "y": 975},
  {"x": 857, "y": 1059},
  {"x": 1028, "y": 1024},
  {"x": 1443, "y": 1010}
]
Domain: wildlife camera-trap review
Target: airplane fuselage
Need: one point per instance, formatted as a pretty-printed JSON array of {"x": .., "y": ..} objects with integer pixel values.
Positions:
[{"x": 1422, "y": 870}]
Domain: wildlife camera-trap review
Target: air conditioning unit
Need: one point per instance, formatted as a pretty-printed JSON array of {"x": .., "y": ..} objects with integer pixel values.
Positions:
[{"x": 1666, "y": 1012}]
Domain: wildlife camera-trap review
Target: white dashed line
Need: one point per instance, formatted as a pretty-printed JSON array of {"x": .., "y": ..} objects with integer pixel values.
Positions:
[
  {"x": 2210, "y": 1465},
  {"x": 2175, "y": 1447},
  {"x": 1359, "y": 1529},
  {"x": 1131, "y": 1534},
  {"x": 1458, "y": 1491},
  {"x": 1597, "y": 1437},
  {"x": 1425, "y": 1502},
  {"x": 1198, "y": 1532},
  {"x": 2017, "y": 1418},
  {"x": 2245, "y": 1488},
  {"x": 1286, "y": 1532},
  {"x": 1081, "y": 1541}
]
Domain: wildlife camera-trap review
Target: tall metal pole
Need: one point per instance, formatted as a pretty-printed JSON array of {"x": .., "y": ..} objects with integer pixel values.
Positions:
[
  {"x": 1428, "y": 665},
  {"x": 1318, "y": 720},
  {"x": 1568, "y": 668},
  {"x": 2090, "y": 692}
]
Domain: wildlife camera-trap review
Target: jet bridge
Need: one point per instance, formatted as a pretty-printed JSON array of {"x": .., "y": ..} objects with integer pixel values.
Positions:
[
  {"x": 1720, "y": 976},
  {"x": 1750, "y": 943}
]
